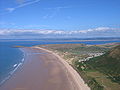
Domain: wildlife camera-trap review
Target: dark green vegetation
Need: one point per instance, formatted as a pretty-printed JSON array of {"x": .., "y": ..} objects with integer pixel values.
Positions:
[
  {"x": 102, "y": 72},
  {"x": 99, "y": 72},
  {"x": 109, "y": 64}
]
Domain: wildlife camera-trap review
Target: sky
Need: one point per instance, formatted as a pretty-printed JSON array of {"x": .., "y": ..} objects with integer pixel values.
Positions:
[
  {"x": 59, "y": 14},
  {"x": 59, "y": 18}
]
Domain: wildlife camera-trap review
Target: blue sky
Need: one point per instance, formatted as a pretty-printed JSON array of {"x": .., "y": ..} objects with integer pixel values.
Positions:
[{"x": 59, "y": 14}]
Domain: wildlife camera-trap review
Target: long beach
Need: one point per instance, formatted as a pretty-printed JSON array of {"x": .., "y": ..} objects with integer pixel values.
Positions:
[{"x": 44, "y": 70}]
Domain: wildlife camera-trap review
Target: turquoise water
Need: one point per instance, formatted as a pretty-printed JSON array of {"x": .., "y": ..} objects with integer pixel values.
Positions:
[{"x": 11, "y": 58}]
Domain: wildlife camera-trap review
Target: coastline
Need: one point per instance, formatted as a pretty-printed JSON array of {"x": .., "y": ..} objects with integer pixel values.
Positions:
[
  {"x": 15, "y": 66},
  {"x": 79, "y": 56},
  {"x": 79, "y": 81},
  {"x": 22, "y": 74}
]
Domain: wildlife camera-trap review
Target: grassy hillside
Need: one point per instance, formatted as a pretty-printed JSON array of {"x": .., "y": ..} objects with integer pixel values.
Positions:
[{"x": 109, "y": 64}]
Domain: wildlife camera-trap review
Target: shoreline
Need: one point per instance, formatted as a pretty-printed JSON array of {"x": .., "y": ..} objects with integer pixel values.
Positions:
[
  {"x": 70, "y": 69},
  {"x": 16, "y": 67},
  {"x": 19, "y": 77}
]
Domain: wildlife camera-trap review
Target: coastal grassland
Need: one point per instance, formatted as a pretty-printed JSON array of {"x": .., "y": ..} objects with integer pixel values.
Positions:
[
  {"x": 109, "y": 64},
  {"x": 78, "y": 56},
  {"x": 96, "y": 79}
]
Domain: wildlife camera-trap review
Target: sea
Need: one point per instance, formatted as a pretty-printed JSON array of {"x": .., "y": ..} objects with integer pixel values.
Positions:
[{"x": 11, "y": 58}]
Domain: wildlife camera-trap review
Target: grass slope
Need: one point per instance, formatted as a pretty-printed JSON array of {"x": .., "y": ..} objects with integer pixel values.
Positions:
[{"x": 109, "y": 64}]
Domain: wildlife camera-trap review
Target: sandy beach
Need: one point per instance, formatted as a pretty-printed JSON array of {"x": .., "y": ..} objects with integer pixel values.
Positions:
[{"x": 44, "y": 70}]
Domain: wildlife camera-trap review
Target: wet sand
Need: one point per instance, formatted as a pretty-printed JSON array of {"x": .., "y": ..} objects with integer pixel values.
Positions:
[{"x": 44, "y": 70}]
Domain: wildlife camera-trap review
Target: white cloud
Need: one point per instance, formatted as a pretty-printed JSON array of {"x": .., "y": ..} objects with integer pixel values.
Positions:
[
  {"x": 58, "y": 8},
  {"x": 102, "y": 28},
  {"x": 98, "y": 29},
  {"x": 20, "y": 1},
  {"x": 44, "y": 32},
  {"x": 22, "y": 5},
  {"x": 10, "y": 9},
  {"x": 5, "y": 32},
  {"x": 54, "y": 11}
]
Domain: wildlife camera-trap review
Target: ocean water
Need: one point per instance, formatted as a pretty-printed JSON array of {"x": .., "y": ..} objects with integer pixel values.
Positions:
[{"x": 11, "y": 58}]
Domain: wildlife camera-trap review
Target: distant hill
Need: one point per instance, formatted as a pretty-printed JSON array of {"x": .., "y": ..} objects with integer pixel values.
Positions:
[
  {"x": 115, "y": 53},
  {"x": 109, "y": 63}
]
